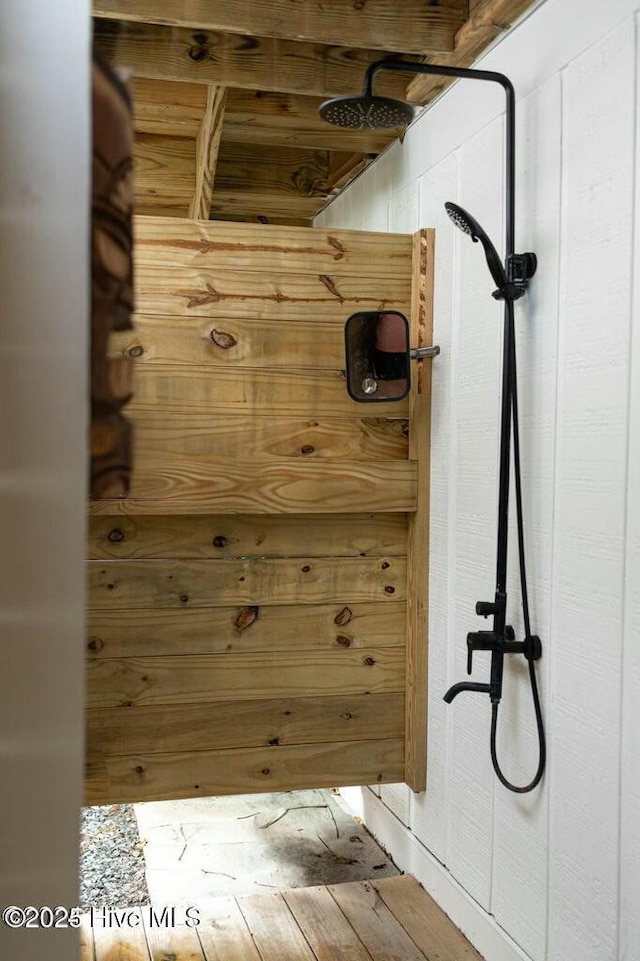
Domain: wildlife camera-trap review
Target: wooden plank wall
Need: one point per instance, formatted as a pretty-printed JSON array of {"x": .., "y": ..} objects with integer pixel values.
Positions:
[{"x": 248, "y": 603}]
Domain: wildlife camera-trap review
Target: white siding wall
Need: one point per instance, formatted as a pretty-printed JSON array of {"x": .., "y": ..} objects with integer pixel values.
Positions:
[
  {"x": 44, "y": 326},
  {"x": 554, "y": 875}
]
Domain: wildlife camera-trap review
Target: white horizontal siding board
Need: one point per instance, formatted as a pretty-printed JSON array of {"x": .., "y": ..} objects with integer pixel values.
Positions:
[
  {"x": 428, "y": 810},
  {"x": 630, "y": 768},
  {"x": 598, "y": 158},
  {"x": 472, "y": 561},
  {"x": 519, "y": 900}
]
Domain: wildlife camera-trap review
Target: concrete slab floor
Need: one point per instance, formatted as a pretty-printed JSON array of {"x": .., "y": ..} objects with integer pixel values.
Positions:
[{"x": 208, "y": 847}]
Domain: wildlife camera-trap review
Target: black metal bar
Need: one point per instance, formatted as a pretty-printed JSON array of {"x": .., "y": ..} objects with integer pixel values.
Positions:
[
  {"x": 508, "y": 348},
  {"x": 467, "y": 73}
]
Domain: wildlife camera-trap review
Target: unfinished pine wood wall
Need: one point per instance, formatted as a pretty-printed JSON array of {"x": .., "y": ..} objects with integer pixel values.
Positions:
[{"x": 248, "y": 603}]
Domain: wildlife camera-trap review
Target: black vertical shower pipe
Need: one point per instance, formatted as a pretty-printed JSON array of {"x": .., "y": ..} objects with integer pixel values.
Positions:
[{"x": 508, "y": 346}]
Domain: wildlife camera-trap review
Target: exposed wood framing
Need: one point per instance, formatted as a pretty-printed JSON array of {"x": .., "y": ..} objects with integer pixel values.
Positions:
[
  {"x": 414, "y": 26},
  {"x": 232, "y": 60},
  {"x": 171, "y": 109},
  {"x": 489, "y": 19},
  {"x": 163, "y": 173},
  {"x": 278, "y": 60},
  {"x": 207, "y": 145},
  {"x": 291, "y": 120}
]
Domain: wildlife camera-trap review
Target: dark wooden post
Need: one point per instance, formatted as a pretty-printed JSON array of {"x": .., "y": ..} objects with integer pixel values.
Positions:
[{"x": 112, "y": 282}]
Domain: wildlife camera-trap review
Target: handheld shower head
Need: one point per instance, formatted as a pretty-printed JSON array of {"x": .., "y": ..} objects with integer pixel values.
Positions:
[
  {"x": 463, "y": 220},
  {"x": 366, "y": 112},
  {"x": 469, "y": 225}
]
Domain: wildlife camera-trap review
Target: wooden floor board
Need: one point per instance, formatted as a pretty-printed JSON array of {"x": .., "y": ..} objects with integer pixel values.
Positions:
[
  {"x": 86, "y": 940},
  {"x": 274, "y": 929},
  {"x": 224, "y": 934},
  {"x": 174, "y": 944},
  {"x": 113, "y": 944},
  {"x": 325, "y": 927},
  {"x": 434, "y": 933},
  {"x": 391, "y": 919},
  {"x": 384, "y": 938}
]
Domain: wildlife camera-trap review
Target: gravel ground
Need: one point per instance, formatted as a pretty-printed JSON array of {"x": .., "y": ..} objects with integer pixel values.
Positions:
[{"x": 111, "y": 858}]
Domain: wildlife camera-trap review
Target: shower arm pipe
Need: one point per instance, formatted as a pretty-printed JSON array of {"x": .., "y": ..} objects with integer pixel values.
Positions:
[{"x": 466, "y": 73}]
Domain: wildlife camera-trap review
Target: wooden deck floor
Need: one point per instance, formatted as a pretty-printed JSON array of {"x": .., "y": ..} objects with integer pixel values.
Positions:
[{"x": 392, "y": 919}]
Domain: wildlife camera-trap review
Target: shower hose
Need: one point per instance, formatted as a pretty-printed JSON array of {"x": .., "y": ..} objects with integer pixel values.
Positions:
[{"x": 513, "y": 391}]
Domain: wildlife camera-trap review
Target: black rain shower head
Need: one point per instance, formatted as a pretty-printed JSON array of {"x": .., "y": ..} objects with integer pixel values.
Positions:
[
  {"x": 469, "y": 225},
  {"x": 366, "y": 112},
  {"x": 370, "y": 112}
]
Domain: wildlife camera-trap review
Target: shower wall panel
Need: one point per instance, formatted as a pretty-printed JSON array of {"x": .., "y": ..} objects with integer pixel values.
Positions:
[{"x": 253, "y": 625}]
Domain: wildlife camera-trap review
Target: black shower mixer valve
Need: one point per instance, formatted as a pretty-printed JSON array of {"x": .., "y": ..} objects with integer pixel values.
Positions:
[{"x": 500, "y": 644}]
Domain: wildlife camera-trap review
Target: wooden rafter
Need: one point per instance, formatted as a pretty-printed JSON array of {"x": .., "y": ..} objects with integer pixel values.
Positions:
[
  {"x": 413, "y": 26},
  {"x": 163, "y": 173},
  {"x": 273, "y": 157},
  {"x": 207, "y": 145},
  {"x": 232, "y": 60},
  {"x": 291, "y": 120},
  {"x": 299, "y": 172},
  {"x": 171, "y": 109}
]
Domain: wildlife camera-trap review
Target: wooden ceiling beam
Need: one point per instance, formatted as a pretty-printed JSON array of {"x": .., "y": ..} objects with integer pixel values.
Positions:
[
  {"x": 269, "y": 182},
  {"x": 171, "y": 109},
  {"x": 272, "y": 170},
  {"x": 207, "y": 146},
  {"x": 164, "y": 171},
  {"x": 488, "y": 20},
  {"x": 231, "y": 60},
  {"x": 413, "y": 26},
  {"x": 263, "y": 219},
  {"x": 292, "y": 120},
  {"x": 263, "y": 207}
]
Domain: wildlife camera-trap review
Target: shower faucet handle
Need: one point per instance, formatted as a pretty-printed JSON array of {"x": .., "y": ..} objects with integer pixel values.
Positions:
[
  {"x": 485, "y": 608},
  {"x": 480, "y": 641}
]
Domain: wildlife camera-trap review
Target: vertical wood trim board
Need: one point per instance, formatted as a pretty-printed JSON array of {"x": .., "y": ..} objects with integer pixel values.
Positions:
[
  {"x": 248, "y": 625},
  {"x": 418, "y": 535}
]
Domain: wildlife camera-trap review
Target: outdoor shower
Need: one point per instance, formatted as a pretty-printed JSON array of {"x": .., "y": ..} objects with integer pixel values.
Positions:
[{"x": 511, "y": 278}]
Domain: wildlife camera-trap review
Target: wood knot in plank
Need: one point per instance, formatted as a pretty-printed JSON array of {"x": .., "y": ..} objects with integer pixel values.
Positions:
[
  {"x": 331, "y": 287},
  {"x": 200, "y": 49},
  {"x": 337, "y": 246},
  {"x": 223, "y": 339},
  {"x": 246, "y": 617},
  {"x": 343, "y": 617},
  {"x": 211, "y": 297}
]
